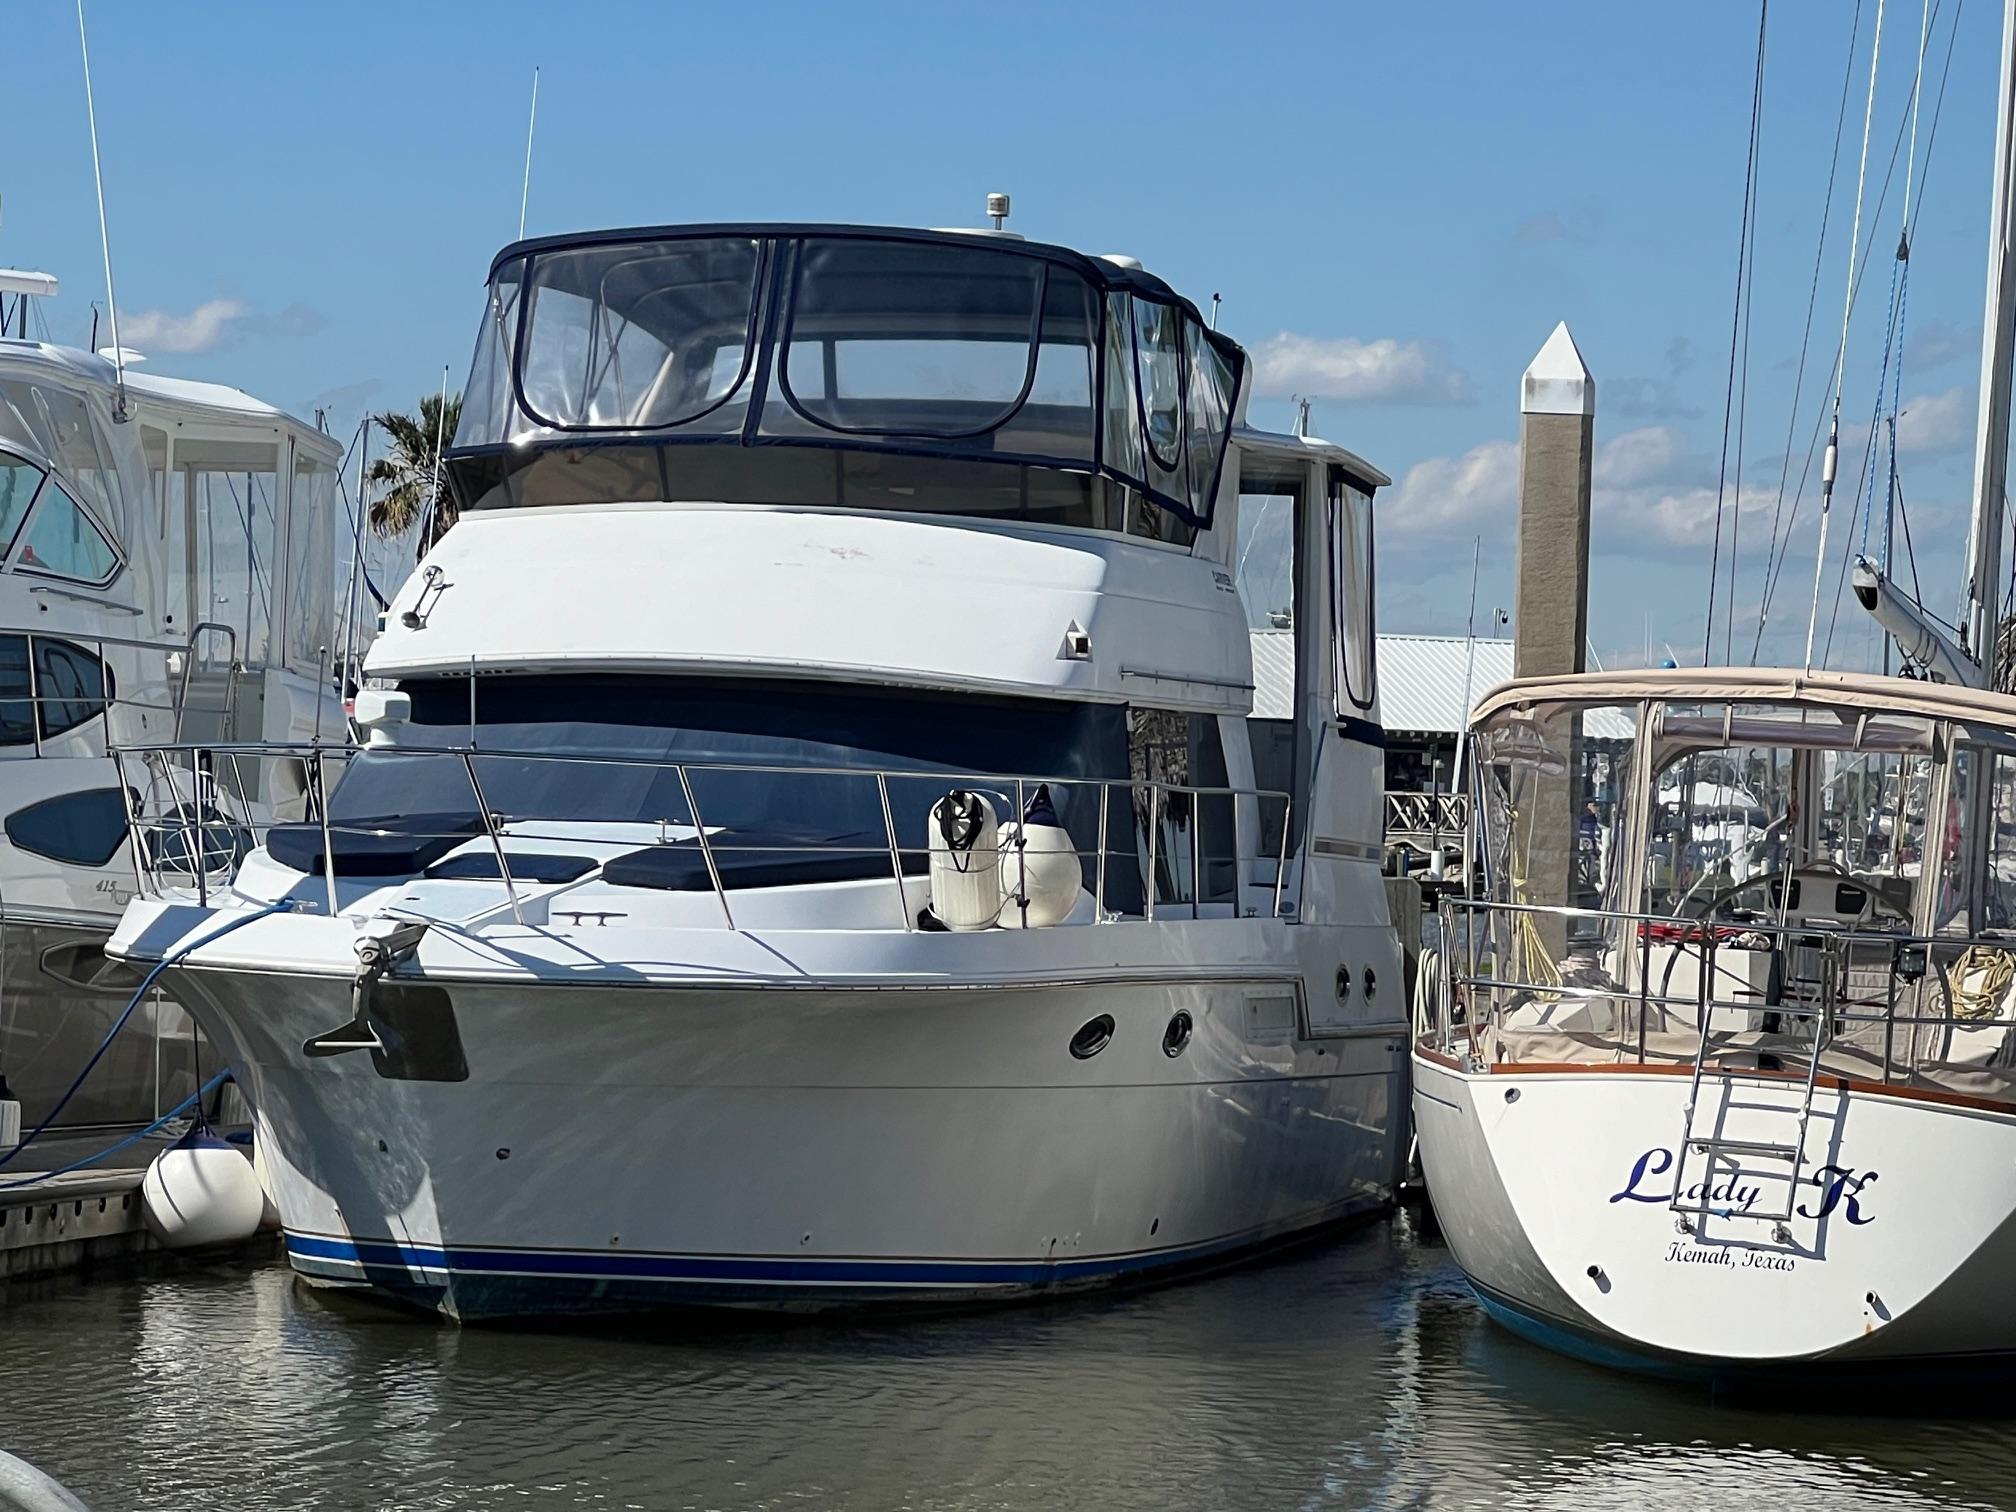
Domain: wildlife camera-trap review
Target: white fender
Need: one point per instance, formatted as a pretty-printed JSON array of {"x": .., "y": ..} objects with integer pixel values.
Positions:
[
  {"x": 201, "y": 1191},
  {"x": 1041, "y": 873}
]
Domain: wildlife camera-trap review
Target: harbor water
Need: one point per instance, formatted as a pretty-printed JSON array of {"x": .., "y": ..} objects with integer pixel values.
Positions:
[{"x": 1353, "y": 1373}]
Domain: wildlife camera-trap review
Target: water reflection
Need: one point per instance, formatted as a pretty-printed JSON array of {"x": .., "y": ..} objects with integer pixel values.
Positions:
[{"x": 1358, "y": 1374}]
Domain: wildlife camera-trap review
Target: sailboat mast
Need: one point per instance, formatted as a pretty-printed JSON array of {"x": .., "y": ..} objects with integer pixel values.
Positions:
[{"x": 1998, "y": 347}]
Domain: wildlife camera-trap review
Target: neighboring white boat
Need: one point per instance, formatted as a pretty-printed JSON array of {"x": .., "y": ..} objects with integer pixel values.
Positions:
[
  {"x": 166, "y": 573},
  {"x": 1756, "y": 1114},
  {"x": 792, "y": 561},
  {"x": 1775, "y": 1128}
]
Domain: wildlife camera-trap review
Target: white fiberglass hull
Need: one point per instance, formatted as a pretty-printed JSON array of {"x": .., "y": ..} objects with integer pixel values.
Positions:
[
  {"x": 614, "y": 1147},
  {"x": 1555, "y": 1190}
]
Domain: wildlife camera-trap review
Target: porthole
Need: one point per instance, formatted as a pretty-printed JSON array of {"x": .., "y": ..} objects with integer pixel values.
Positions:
[
  {"x": 1092, "y": 1037},
  {"x": 1371, "y": 984},
  {"x": 1343, "y": 984},
  {"x": 1176, "y": 1038}
]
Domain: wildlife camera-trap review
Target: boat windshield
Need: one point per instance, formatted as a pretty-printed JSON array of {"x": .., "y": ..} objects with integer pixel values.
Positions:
[
  {"x": 770, "y": 770},
  {"x": 933, "y": 362}
]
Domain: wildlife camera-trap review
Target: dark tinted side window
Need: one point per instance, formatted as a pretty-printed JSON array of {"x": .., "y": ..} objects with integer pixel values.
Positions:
[
  {"x": 1196, "y": 851},
  {"x": 80, "y": 829},
  {"x": 71, "y": 684},
  {"x": 17, "y": 711}
]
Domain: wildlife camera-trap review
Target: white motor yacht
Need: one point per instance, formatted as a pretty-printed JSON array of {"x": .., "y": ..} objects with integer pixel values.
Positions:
[
  {"x": 811, "y": 846},
  {"x": 166, "y": 573}
]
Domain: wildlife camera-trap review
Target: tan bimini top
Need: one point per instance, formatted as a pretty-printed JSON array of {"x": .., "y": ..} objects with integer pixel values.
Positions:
[{"x": 1863, "y": 691}]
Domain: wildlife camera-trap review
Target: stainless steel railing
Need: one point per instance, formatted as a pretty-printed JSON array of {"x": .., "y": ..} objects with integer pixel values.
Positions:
[
  {"x": 167, "y": 694},
  {"x": 194, "y": 817},
  {"x": 1872, "y": 1004}
]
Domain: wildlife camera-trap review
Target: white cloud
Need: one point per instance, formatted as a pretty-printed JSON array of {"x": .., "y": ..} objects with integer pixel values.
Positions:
[
  {"x": 1482, "y": 485},
  {"x": 1342, "y": 367},
  {"x": 1938, "y": 342},
  {"x": 163, "y": 331},
  {"x": 1444, "y": 492},
  {"x": 1650, "y": 492},
  {"x": 1637, "y": 456},
  {"x": 1664, "y": 516},
  {"x": 1937, "y": 422}
]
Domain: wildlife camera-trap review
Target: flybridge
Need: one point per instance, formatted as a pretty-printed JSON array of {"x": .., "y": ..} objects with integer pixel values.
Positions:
[
  {"x": 24, "y": 286},
  {"x": 953, "y": 372}
]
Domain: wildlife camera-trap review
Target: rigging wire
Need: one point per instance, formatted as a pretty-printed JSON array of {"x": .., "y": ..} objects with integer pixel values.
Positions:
[
  {"x": 1864, "y": 506},
  {"x": 1841, "y": 353},
  {"x": 1806, "y": 333},
  {"x": 1886, "y": 377},
  {"x": 1903, "y": 273},
  {"x": 1938, "y": 108},
  {"x": 1911, "y": 556},
  {"x": 1739, "y": 329},
  {"x": 1776, "y": 567}
]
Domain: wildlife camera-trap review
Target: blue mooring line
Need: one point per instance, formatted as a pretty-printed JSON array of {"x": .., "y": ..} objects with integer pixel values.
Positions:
[
  {"x": 113, "y": 1149},
  {"x": 111, "y": 1034}
]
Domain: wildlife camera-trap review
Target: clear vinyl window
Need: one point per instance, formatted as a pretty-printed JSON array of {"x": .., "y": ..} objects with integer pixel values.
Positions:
[
  {"x": 63, "y": 542},
  {"x": 18, "y": 482},
  {"x": 968, "y": 357},
  {"x": 635, "y": 336},
  {"x": 1351, "y": 578},
  {"x": 911, "y": 340}
]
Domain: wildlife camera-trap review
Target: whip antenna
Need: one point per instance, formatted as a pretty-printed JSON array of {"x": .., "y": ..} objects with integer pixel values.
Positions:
[
  {"x": 531, "y": 125},
  {"x": 104, "y": 236}
]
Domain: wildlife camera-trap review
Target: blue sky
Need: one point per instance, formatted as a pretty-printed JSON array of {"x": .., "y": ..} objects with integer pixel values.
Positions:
[{"x": 1397, "y": 203}]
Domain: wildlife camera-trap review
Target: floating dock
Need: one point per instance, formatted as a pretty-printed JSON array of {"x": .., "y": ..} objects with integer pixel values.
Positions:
[{"x": 74, "y": 1222}]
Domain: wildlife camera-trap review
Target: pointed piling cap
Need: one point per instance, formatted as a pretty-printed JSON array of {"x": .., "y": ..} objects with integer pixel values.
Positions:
[{"x": 1558, "y": 382}]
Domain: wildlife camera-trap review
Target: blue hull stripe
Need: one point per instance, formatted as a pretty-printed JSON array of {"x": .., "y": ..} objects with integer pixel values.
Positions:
[
  {"x": 1548, "y": 1334},
  {"x": 381, "y": 1255},
  {"x": 1821, "y": 1371}
]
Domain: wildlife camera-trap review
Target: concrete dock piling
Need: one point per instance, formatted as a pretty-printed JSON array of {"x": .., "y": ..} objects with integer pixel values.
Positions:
[{"x": 1557, "y": 432}]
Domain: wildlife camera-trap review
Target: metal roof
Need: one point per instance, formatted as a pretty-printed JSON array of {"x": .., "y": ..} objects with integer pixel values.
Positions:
[
  {"x": 1273, "y": 673},
  {"x": 1421, "y": 678}
]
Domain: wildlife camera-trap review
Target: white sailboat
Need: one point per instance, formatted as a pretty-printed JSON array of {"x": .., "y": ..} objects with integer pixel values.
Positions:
[
  {"x": 669, "y": 941},
  {"x": 1769, "y": 1125}
]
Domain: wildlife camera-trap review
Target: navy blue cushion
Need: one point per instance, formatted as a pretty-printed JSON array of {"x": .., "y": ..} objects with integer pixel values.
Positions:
[
  {"x": 681, "y": 867},
  {"x": 526, "y": 866},
  {"x": 418, "y": 841}
]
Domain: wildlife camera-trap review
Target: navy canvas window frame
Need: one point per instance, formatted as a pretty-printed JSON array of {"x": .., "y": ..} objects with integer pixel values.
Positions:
[
  {"x": 528, "y": 296},
  {"x": 1037, "y": 312},
  {"x": 773, "y": 295}
]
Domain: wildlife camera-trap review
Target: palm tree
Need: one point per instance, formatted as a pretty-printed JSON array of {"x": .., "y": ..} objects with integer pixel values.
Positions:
[{"x": 406, "y": 475}]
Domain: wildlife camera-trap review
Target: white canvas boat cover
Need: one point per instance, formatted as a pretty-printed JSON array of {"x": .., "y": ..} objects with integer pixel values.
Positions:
[{"x": 1863, "y": 691}]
